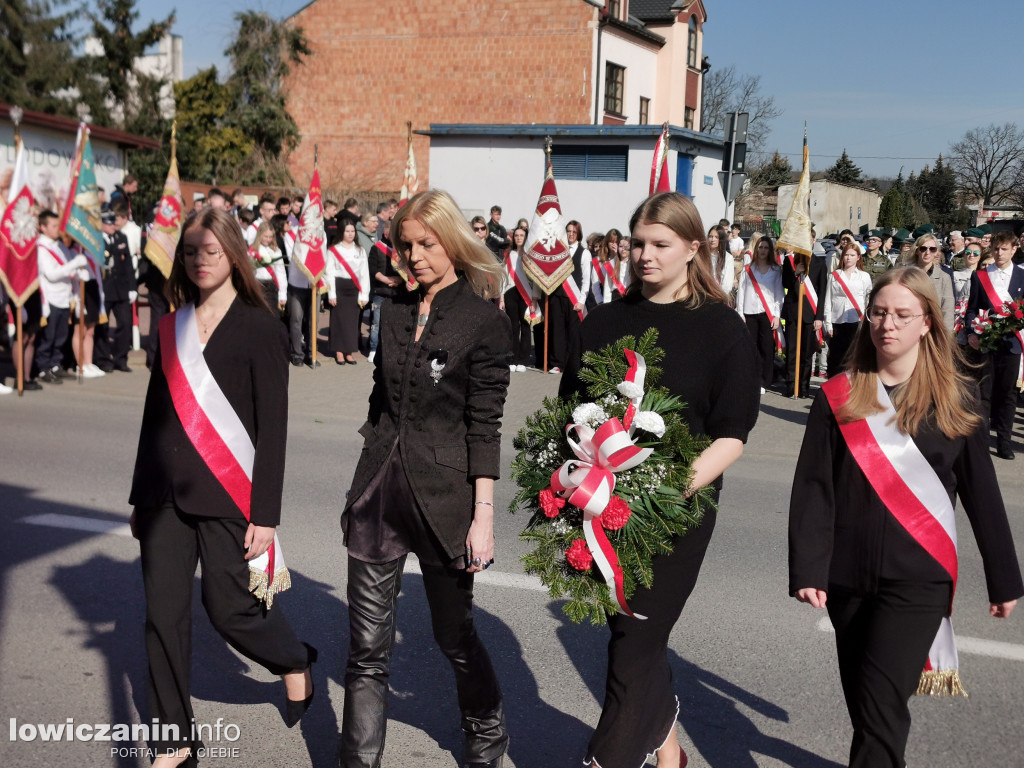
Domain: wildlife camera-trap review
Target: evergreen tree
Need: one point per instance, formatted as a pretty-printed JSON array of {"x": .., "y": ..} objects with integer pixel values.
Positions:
[
  {"x": 844, "y": 171},
  {"x": 209, "y": 149},
  {"x": 908, "y": 202},
  {"x": 941, "y": 200},
  {"x": 262, "y": 54},
  {"x": 774, "y": 173},
  {"x": 890, "y": 212}
]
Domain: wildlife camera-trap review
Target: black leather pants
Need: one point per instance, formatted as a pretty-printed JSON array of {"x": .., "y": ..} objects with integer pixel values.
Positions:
[{"x": 372, "y": 601}]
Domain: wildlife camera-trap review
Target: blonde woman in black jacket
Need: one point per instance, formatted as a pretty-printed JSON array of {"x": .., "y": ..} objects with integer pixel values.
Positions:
[{"x": 425, "y": 480}]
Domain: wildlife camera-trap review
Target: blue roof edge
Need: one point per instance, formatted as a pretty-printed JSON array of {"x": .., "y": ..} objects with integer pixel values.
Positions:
[{"x": 676, "y": 134}]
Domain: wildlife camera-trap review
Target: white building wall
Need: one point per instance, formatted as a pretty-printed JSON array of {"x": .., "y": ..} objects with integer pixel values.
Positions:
[
  {"x": 834, "y": 207},
  {"x": 641, "y": 77},
  {"x": 508, "y": 171}
]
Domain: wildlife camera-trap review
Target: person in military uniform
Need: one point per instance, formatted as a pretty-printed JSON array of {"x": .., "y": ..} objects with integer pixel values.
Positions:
[
  {"x": 120, "y": 291},
  {"x": 876, "y": 263}
]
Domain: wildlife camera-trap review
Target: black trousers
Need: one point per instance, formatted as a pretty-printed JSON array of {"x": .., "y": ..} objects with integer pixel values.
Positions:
[
  {"x": 640, "y": 705},
  {"x": 372, "y": 604},
  {"x": 515, "y": 308},
  {"x": 840, "y": 343},
  {"x": 882, "y": 641},
  {"x": 808, "y": 346},
  {"x": 998, "y": 392},
  {"x": 300, "y": 304},
  {"x": 562, "y": 322},
  {"x": 764, "y": 340},
  {"x": 113, "y": 347},
  {"x": 172, "y": 544}
]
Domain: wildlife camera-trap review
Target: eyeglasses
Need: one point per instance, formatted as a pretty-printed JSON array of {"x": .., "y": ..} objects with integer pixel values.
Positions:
[
  {"x": 479, "y": 229},
  {"x": 972, "y": 253},
  {"x": 928, "y": 248},
  {"x": 208, "y": 256},
  {"x": 899, "y": 319}
]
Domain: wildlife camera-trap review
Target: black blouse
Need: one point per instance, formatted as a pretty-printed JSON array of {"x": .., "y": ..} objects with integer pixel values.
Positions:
[
  {"x": 840, "y": 532},
  {"x": 710, "y": 360}
]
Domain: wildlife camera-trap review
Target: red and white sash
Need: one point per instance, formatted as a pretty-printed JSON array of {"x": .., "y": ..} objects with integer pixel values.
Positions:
[
  {"x": 217, "y": 434},
  {"x": 779, "y": 339},
  {"x": 396, "y": 264},
  {"x": 812, "y": 298},
  {"x": 849, "y": 294},
  {"x": 609, "y": 269},
  {"x": 344, "y": 263},
  {"x": 255, "y": 253},
  {"x": 44, "y": 303},
  {"x": 575, "y": 297},
  {"x": 599, "y": 271},
  {"x": 996, "y": 297},
  {"x": 517, "y": 274},
  {"x": 913, "y": 494}
]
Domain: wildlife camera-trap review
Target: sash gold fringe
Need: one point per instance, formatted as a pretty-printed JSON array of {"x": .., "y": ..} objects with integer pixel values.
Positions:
[
  {"x": 941, "y": 683},
  {"x": 258, "y": 585}
]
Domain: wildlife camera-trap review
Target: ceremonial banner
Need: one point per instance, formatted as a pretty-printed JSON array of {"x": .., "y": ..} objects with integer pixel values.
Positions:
[
  {"x": 81, "y": 218},
  {"x": 410, "y": 180},
  {"x": 659, "y": 167},
  {"x": 796, "y": 232},
  {"x": 310, "y": 248},
  {"x": 19, "y": 267},
  {"x": 547, "y": 254},
  {"x": 166, "y": 229}
]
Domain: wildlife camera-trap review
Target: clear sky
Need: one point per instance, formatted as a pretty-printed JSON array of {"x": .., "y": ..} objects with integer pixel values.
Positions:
[{"x": 892, "y": 81}]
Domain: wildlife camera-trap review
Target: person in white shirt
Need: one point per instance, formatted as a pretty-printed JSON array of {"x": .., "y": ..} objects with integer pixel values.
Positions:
[
  {"x": 843, "y": 316},
  {"x": 348, "y": 291},
  {"x": 722, "y": 262},
  {"x": 267, "y": 210},
  {"x": 131, "y": 230},
  {"x": 592, "y": 283},
  {"x": 300, "y": 307},
  {"x": 735, "y": 241},
  {"x": 270, "y": 271},
  {"x": 759, "y": 302},
  {"x": 57, "y": 269},
  {"x": 515, "y": 305}
]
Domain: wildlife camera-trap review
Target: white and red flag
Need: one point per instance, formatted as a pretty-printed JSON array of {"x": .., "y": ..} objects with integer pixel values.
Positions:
[
  {"x": 310, "y": 252},
  {"x": 19, "y": 267},
  {"x": 410, "y": 180},
  {"x": 547, "y": 257},
  {"x": 659, "y": 167},
  {"x": 166, "y": 229}
]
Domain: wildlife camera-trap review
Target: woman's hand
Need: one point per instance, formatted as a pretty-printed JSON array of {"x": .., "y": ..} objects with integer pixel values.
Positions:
[
  {"x": 775, "y": 324},
  {"x": 333, "y": 302},
  {"x": 815, "y": 597},
  {"x": 258, "y": 539},
  {"x": 1002, "y": 610},
  {"x": 480, "y": 540}
]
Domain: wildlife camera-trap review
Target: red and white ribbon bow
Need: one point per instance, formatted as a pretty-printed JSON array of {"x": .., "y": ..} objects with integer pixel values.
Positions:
[
  {"x": 981, "y": 322},
  {"x": 588, "y": 482}
]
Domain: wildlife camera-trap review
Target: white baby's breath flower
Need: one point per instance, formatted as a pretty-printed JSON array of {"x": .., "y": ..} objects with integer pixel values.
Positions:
[{"x": 649, "y": 421}]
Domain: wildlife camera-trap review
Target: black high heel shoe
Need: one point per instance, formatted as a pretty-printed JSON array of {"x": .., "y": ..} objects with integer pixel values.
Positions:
[{"x": 294, "y": 710}]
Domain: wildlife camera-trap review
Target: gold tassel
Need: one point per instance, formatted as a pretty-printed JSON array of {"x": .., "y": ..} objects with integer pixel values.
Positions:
[
  {"x": 941, "y": 683},
  {"x": 103, "y": 318},
  {"x": 258, "y": 585},
  {"x": 43, "y": 322}
]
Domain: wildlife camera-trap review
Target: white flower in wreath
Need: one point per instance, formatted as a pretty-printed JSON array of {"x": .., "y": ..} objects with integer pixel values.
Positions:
[
  {"x": 630, "y": 390},
  {"x": 591, "y": 414},
  {"x": 649, "y": 421}
]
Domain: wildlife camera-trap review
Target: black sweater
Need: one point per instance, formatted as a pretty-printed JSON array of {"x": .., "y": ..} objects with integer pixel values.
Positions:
[
  {"x": 710, "y": 360},
  {"x": 841, "y": 534}
]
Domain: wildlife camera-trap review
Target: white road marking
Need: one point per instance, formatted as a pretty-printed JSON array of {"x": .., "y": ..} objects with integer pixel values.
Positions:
[
  {"x": 76, "y": 523},
  {"x": 491, "y": 577},
  {"x": 973, "y": 645}
]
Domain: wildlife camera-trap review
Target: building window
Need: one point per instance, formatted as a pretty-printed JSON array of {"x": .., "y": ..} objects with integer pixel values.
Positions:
[
  {"x": 614, "y": 86},
  {"x": 645, "y": 110},
  {"x": 691, "y": 44},
  {"x": 688, "y": 118},
  {"x": 615, "y": 9},
  {"x": 590, "y": 163}
]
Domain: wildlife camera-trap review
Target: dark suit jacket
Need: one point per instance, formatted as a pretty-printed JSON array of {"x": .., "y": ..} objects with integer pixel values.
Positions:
[
  {"x": 446, "y": 425},
  {"x": 818, "y": 274},
  {"x": 248, "y": 357},
  {"x": 119, "y": 275},
  {"x": 978, "y": 301}
]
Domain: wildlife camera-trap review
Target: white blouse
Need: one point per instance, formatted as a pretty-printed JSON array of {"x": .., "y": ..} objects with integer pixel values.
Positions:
[
  {"x": 356, "y": 259},
  {"x": 838, "y": 308},
  {"x": 747, "y": 300}
]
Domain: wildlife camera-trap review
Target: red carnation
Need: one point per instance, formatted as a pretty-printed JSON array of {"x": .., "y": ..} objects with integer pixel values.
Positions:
[
  {"x": 616, "y": 514},
  {"x": 1018, "y": 314},
  {"x": 550, "y": 503},
  {"x": 579, "y": 556}
]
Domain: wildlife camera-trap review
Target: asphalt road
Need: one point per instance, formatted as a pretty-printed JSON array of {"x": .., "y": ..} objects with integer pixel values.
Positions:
[{"x": 755, "y": 671}]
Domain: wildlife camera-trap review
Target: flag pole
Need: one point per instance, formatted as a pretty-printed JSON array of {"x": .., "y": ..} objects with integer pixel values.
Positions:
[
  {"x": 799, "y": 328},
  {"x": 314, "y": 295},
  {"x": 547, "y": 300},
  {"x": 81, "y": 331}
]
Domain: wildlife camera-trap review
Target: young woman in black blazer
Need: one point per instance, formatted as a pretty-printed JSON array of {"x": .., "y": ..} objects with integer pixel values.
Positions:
[
  {"x": 184, "y": 513},
  {"x": 879, "y": 564},
  {"x": 425, "y": 480}
]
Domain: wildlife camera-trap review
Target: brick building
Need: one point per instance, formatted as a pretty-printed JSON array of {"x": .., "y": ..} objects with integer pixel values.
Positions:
[{"x": 377, "y": 64}]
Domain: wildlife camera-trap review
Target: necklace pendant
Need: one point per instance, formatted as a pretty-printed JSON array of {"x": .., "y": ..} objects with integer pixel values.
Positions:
[{"x": 421, "y": 320}]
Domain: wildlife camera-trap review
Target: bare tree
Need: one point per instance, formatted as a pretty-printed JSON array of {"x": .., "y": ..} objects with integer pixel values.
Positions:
[
  {"x": 986, "y": 160},
  {"x": 726, "y": 92}
]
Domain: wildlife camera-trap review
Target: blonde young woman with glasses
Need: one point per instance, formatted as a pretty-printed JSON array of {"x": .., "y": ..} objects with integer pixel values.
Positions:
[{"x": 928, "y": 256}]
